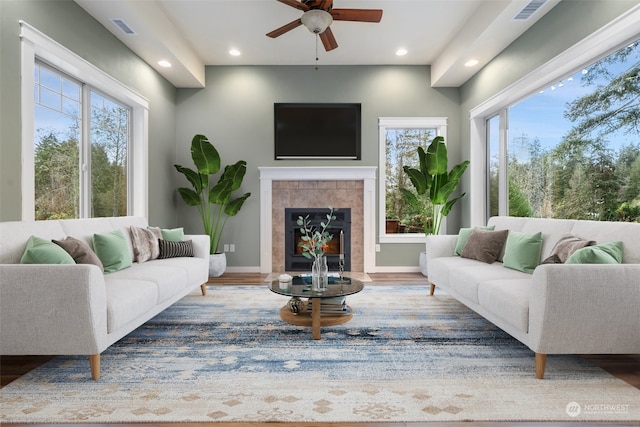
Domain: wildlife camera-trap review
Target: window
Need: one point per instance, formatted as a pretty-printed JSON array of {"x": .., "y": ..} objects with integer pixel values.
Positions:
[
  {"x": 514, "y": 166},
  {"x": 573, "y": 148},
  {"x": 399, "y": 139},
  {"x": 84, "y": 137},
  {"x": 72, "y": 172}
]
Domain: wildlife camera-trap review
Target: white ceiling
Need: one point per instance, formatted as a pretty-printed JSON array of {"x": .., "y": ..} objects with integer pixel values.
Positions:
[{"x": 192, "y": 34}]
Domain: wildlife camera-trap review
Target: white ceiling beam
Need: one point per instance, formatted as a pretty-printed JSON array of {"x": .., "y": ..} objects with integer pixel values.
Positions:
[
  {"x": 490, "y": 30},
  {"x": 155, "y": 38}
]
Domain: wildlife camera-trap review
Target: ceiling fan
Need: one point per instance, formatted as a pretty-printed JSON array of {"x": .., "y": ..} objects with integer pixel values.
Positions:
[{"x": 319, "y": 14}]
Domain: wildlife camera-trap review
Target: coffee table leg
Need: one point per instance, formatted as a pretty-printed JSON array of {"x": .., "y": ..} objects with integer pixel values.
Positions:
[{"x": 315, "y": 318}]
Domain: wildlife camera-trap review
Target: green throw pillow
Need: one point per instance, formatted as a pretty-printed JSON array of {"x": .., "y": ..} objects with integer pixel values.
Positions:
[
  {"x": 173, "y": 235},
  {"x": 111, "y": 247},
  {"x": 463, "y": 236},
  {"x": 522, "y": 251},
  {"x": 604, "y": 253},
  {"x": 41, "y": 251}
]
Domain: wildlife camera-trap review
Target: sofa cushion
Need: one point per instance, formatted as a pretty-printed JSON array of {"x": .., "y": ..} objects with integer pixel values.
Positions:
[
  {"x": 507, "y": 299},
  {"x": 484, "y": 245},
  {"x": 465, "y": 279},
  {"x": 522, "y": 251},
  {"x": 604, "y": 253},
  {"x": 127, "y": 300},
  {"x": 112, "y": 249},
  {"x": 568, "y": 244},
  {"x": 145, "y": 243},
  {"x": 42, "y": 251},
  {"x": 168, "y": 279},
  {"x": 463, "y": 236},
  {"x": 79, "y": 251}
]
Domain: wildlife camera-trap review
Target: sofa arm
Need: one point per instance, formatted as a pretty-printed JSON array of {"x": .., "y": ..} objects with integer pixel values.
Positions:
[
  {"x": 52, "y": 309},
  {"x": 441, "y": 245},
  {"x": 585, "y": 308},
  {"x": 200, "y": 245}
]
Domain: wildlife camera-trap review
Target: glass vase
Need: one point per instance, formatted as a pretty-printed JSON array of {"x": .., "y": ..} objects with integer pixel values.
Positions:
[{"x": 319, "y": 274}]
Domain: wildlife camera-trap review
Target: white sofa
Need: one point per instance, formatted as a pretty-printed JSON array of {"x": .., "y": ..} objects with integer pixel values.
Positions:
[
  {"x": 76, "y": 309},
  {"x": 560, "y": 308}
]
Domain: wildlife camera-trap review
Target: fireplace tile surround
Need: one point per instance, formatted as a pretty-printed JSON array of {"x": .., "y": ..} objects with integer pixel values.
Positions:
[{"x": 317, "y": 187}]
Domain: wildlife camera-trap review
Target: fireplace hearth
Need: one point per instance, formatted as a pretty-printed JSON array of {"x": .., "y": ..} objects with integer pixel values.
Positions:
[{"x": 294, "y": 260}]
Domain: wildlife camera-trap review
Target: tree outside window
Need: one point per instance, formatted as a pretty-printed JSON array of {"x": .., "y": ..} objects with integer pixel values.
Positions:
[
  {"x": 573, "y": 149},
  {"x": 68, "y": 168}
]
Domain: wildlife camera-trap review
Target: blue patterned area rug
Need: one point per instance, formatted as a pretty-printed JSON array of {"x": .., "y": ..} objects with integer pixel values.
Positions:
[{"x": 405, "y": 356}]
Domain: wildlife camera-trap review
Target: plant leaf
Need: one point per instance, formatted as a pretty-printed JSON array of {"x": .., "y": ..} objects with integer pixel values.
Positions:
[
  {"x": 204, "y": 155},
  {"x": 193, "y": 177},
  {"x": 190, "y": 197},
  {"x": 436, "y": 158},
  {"x": 418, "y": 180},
  {"x": 234, "y": 206}
]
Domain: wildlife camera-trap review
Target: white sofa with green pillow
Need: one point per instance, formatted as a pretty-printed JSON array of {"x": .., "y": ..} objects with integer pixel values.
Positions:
[
  {"x": 590, "y": 304},
  {"x": 51, "y": 305}
]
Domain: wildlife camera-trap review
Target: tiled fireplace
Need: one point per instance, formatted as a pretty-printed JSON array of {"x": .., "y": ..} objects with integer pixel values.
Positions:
[{"x": 317, "y": 187}]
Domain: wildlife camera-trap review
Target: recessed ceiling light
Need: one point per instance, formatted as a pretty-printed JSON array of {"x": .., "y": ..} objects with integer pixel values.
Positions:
[
  {"x": 234, "y": 52},
  {"x": 471, "y": 63},
  {"x": 401, "y": 52},
  {"x": 164, "y": 63}
]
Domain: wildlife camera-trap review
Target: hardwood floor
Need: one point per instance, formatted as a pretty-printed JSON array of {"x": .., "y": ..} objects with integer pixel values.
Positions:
[{"x": 625, "y": 367}]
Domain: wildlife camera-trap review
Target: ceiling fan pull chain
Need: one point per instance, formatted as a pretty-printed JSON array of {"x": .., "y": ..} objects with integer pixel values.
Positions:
[{"x": 316, "y": 51}]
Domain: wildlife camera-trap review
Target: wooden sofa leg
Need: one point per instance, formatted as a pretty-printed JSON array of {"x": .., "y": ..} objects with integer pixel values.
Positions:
[
  {"x": 541, "y": 362},
  {"x": 433, "y": 289},
  {"x": 203, "y": 288},
  {"x": 94, "y": 364}
]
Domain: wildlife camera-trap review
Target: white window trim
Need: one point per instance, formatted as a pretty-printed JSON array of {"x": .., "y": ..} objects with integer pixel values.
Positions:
[
  {"x": 440, "y": 123},
  {"x": 606, "y": 40},
  {"x": 36, "y": 44}
]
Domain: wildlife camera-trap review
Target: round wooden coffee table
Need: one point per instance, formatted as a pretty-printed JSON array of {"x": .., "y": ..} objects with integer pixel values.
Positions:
[{"x": 300, "y": 287}]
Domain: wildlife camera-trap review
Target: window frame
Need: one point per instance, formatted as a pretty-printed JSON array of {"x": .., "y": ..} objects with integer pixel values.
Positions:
[
  {"x": 603, "y": 42},
  {"x": 36, "y": 45},
  {"x": 384, "y": 123}
]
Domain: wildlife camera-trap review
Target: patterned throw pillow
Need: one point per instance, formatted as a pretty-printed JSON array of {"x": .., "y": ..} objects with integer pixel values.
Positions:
[
  {"x": 566, "y": 246},
  {"x": 80, "y": 251},
  {"x": 169, "y": 249},
  {"x": 145, "y": 243}
]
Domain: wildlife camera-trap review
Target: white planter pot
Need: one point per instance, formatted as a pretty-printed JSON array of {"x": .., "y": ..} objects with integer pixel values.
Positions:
[
  {"x": 217, "y": 264},
  {"x": 423, "y": 263}
]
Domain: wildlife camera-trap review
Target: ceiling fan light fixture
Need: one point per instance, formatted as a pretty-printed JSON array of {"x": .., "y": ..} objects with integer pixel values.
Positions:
[{"x": 316, "y": 20}]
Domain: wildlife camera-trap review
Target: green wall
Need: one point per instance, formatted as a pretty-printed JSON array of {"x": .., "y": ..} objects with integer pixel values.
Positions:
[
  {"x": 235, "y": 111},
  {"x": 69, "y": 25}
]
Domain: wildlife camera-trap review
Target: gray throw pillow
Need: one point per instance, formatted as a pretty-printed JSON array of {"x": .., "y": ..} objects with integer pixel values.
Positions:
[
  {"x": 484, "y": 245},
  {"x": 80, "y": 251}
]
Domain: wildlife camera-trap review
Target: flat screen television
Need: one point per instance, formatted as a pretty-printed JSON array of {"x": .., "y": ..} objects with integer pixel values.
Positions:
[{"x": 317, "y": 131}]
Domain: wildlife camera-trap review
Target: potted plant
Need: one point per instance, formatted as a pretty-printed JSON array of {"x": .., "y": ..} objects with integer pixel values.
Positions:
[
  {"x": 433, "y": 185},
  {"x": 213, "y": 199}
]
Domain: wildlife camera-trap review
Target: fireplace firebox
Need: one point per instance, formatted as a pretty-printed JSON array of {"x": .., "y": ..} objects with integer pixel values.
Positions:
[{"x": 294, "y": 260}]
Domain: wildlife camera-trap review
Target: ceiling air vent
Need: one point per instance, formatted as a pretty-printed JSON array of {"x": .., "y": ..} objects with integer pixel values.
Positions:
[
  {"x": 529, "y": 10},
  {"x": 123, "y": 26}
]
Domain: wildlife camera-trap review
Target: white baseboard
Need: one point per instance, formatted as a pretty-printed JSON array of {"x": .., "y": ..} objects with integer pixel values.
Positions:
[{"x": 250, "y": 269}]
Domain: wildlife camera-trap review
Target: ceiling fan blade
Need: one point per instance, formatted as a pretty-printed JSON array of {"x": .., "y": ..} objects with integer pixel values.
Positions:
[
  {"x": 328, "y": 40},
  {"x": 295, "y": 3},
  {"x": 359, "y": 15},
  {"x": 288, "y": 27}
]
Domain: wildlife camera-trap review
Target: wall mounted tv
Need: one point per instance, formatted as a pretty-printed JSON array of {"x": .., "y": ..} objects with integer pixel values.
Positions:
[{"x": 317, "y": 131}]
